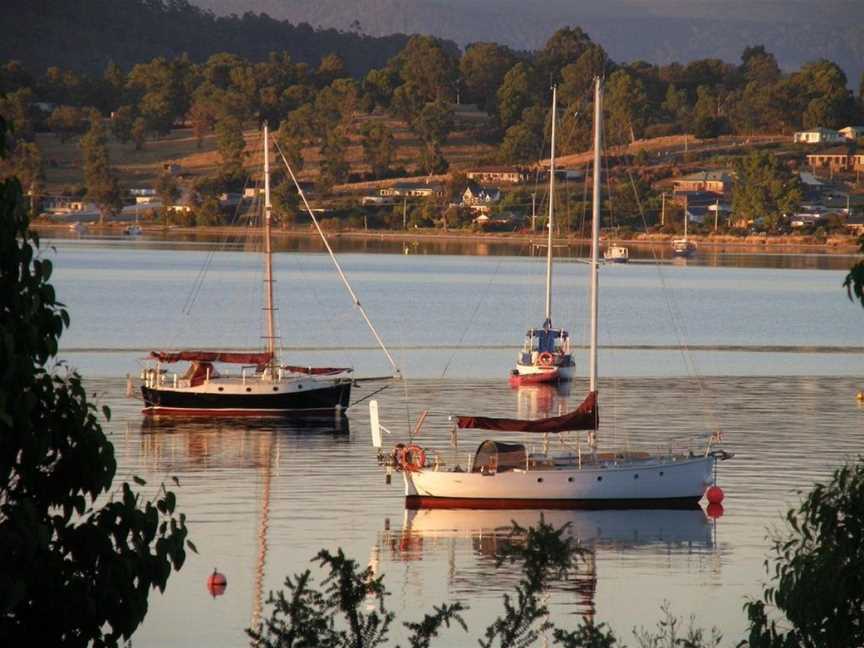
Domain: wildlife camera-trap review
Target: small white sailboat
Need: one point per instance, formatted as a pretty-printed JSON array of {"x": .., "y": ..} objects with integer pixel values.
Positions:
[
  {"x": 507, "y": 475},
  {"x": 683, "y": 247},
  {"x": 263, "y": 385},
  {"x": 616, "y": 254},
  {"x": 545, "y": 355}
]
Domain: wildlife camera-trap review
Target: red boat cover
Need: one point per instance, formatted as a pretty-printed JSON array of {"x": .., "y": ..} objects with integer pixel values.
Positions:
[
  {"x": 584, "y": 417},
  {"x": 212, "y": 356}
]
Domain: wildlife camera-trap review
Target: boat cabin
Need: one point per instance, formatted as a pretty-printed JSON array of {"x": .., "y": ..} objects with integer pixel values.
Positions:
[
  {"x": 544, "y": 340},
  {"x": 496, "y": 457}
]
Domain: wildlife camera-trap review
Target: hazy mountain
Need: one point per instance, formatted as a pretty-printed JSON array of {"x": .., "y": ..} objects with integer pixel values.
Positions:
[{"x": 660, "y": 31}]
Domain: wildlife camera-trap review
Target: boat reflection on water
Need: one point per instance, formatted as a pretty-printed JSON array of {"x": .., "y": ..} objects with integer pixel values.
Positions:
[
  {"x": 427, "y": 532},
  {"x": 308, "y": 424},
  {"x": 542, "y": 401},
  {"x": 227, "y": 441}
]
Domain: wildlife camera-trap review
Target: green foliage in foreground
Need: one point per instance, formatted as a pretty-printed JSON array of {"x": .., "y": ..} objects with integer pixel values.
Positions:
[
  {"x": 854, "y": 282},
  {"x": 816, "y": 586},
  {"x": 78, "y": 558}
]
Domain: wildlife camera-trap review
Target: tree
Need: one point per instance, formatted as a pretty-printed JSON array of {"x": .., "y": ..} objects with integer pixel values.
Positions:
[
  {"x": 17, "y": 107},
  {"x": 764, "y": 189},
  {"x": 332, "y": 67},
  {"x": 564, "y": 47},
  {"x": 816, "y": 583},
  {"x": 286, "y": 201},
  {"x": 482, "y": 70},
  {"x": 209, "y": 213},
  {"x": 524, "y": 141},
  {"x": 121, "y": 123},
  {"x": 625, "y": 104},
  {"x": 139, "y": 133},
  {"x": 291, "y": 145},
  {"x": 167, "y": 190},
  {"x": 378, "y": 147},
  {"x": 230, "y": 142},
  {"x": 426, "y": 65},
  {"x": 77, "y": 550},
  {"x": 577, "y": 78},
  {"x": 67, "y": 121},
  {"x": 30, "y": 170},
  {"x": 334, "y": 167},
  {"x": 434, "y": 123},
  {"x": 515, "y": 94},
  {"x": 99, "y": 178},
  {"x": 759, "y": 66}
]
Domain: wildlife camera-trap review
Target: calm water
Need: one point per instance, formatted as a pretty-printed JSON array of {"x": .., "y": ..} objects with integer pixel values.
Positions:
[{"x": 777, "y": 357}]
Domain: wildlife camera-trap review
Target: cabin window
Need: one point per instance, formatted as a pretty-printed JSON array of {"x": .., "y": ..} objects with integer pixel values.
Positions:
[
  {"x": 539, "y": 480},
  {"x": 248, "y": 389},
  {"x": 600, "y": 478},
  {"x": 636, "y": 476}
]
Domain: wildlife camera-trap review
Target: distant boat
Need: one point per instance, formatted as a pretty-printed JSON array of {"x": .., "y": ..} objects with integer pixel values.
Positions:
[
  {"x": 616, "y": 254},
  {"x": 511, "y": 475},
  {"x": 262, "y": 385},
  {"x": 133, "y": 230},
  {"x": 545, "y": 355},
  {"x": 683, "y": 247},
  {"x": 78, "y": 227}
]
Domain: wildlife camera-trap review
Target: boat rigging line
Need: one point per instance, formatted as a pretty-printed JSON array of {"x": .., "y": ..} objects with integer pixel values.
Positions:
[{"x": 397, "y": 374}]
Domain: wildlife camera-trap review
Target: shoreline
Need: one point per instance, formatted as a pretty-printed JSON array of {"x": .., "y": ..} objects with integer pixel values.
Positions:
[{"x": 846, "y": 244}]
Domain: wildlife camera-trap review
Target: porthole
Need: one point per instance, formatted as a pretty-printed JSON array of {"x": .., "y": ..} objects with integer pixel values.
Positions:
[
  {"x": 275, "y": 389},
  {"x": 539, "y": 480},
  {"x": 636, "y": 476},
  {"x": 248, "y": 389},
  {"x": 661, "y": 473},
  {"x": 569, "y": 479},
  {"x": 600, "y": 478},
  {"x": 299, "y": 386},
  {"x": 221, "y": 389}
]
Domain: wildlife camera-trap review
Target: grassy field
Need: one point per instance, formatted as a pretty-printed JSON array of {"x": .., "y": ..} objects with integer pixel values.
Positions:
[{"x": 142, "y": 168}]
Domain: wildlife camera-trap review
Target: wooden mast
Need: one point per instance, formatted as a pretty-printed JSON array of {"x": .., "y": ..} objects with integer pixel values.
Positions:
[
  {"x": 551, "y": 212},
  {"x": 268, "y": 255},
  {"x": 595, "y": 231}
]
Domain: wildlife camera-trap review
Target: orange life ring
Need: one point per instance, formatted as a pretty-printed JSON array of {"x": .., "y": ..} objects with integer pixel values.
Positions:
[
  {"x": 546, "y": 359},
  {"x": 412, "y": 458}
]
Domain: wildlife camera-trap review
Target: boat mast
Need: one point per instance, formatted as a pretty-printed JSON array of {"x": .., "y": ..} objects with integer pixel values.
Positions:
[
  {"x": 595, "y": 231},
  {"x": 551, "y": 212},
  {"x": 268, "y": 253}
]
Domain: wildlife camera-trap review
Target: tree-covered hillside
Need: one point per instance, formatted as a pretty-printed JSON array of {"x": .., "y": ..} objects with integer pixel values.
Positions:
[
  {"x": 84, "y": 35},
  {"x": 660, "y": 31}
]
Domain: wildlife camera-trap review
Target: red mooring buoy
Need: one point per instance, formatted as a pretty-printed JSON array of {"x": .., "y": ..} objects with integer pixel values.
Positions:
[
  {"x": 714, "y": 510},
  {"x": 216, "y": 583},
  {"x": 715, "y": 495}
]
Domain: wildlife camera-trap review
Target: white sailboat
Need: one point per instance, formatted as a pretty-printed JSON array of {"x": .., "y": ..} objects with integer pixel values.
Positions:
[
  {"x": 506, "y": 475},
  {"x": 262, "y": 385},
  {"x": 683, "y": 247},
  {"x": 545, "y": 355}
]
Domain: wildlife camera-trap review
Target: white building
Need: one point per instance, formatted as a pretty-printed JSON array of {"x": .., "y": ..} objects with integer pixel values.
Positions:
[{"x": 818, "y": 136}]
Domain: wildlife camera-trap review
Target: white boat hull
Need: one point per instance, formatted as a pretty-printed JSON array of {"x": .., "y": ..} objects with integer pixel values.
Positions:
[{"x": 652, "y": 482}]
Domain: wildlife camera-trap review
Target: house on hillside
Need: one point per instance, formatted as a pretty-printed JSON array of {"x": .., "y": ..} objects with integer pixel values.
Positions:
[
  {"x": 499, "y": 174},
  {"x": 479, "y": 198},
  {"x": 817, "y": 136},
  {"x": 852, "y": 133},
  {"x": 715, "y": 182},
  {"x": 838, "y": 158},
  {"x": 412, "y": 190}
]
